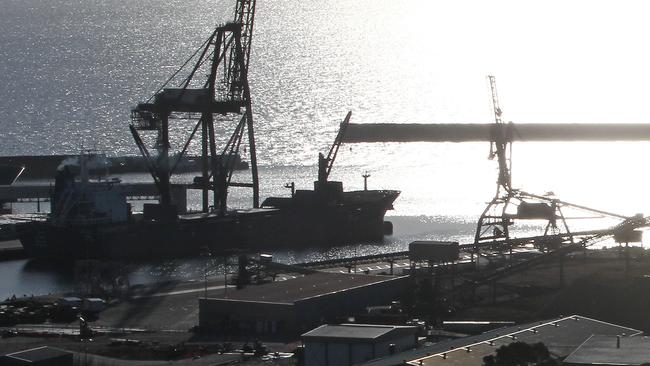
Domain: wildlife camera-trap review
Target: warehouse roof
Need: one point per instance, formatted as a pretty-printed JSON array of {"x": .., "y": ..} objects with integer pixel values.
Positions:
[
  {"x": 355, "y": 332},
  {"x": 309, "y": 286},
  {"x": 561, "y": 336},
  {"x": 38, "y": 354},
  {"x": 608, "y": 350}
]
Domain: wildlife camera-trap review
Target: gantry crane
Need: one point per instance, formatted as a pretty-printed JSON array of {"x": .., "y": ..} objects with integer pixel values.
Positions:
[{"x": 224, "y": 58}]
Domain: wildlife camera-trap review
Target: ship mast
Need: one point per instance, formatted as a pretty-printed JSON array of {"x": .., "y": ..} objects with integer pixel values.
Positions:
[{"x": 224, "y": 58}]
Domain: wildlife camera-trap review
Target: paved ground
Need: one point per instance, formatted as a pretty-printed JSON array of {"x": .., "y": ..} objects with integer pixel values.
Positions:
[{"x": 159, "y": 316}]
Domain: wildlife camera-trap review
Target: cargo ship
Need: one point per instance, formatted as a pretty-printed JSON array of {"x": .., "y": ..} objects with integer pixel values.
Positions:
[
  {"x": 328, "y": 214},
  {"x": 92, "y": 219},
  {"x": 9, "y": 173}
]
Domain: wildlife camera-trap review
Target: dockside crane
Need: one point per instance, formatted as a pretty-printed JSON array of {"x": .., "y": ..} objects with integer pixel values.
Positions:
[
  {"x": 495, "y": 221},
  {"x": 215, "y": 87},
  {"x": 495, "y": 225}
]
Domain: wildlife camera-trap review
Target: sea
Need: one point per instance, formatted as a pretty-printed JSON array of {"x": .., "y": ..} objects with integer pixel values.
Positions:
[{"x": 71, "y": 70}]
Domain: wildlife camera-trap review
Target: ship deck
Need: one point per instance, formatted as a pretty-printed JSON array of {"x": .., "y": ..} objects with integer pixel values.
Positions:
[{"x": 230, "y": 214}]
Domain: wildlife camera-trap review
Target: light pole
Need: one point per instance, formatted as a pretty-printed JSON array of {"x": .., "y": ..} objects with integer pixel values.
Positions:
[
  {"x": 206, "y": 253},
  {"x": 225, "y": 275}
]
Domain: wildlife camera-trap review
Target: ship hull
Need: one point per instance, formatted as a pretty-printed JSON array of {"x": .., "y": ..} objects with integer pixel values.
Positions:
[
  {"x": 354, "y": 217},
  {"x": 288, "y": 227},
  {"x": 143, "y": 240}
]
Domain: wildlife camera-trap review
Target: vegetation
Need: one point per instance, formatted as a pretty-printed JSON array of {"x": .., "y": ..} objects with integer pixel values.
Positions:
[{"x": 521, "y": 354}]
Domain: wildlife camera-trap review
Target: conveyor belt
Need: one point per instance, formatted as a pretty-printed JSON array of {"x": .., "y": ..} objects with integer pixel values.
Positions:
[{"x": 412, "y": 132}]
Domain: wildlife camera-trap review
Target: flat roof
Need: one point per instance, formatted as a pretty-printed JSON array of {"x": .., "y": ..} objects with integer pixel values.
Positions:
[
  {"x": 562, "y": 336},
  {"x": 94, "y": 299},
  {"x": 38, "y": 354},
  {"x": 71, "y": 298},
  {"x": 601, "y": 349},
  {"x": 305, "y": 287},
  {"x": 355, "y": 332}
]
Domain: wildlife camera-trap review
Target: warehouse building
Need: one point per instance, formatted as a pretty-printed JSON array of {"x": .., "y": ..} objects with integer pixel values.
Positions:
[
  {"x": 45, "y": 355},
  {"x": 349, "y": 344},
  {"x": 297, "y": 305}
]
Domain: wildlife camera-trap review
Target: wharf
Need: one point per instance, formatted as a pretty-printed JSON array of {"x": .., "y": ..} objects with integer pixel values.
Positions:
[
  {"x": 466, "y": 132},
  {"x": 42, "y": 192},
  {"x": 45, "y": 166}
]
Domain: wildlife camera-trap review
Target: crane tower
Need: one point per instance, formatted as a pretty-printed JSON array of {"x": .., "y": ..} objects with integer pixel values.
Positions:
[
  {"x": 497, "y": 218},
  {"x": 215, "y": 88}
]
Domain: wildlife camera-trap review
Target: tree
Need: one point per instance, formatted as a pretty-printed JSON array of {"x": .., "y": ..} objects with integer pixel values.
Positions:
[{"x": 520, "y": 354}]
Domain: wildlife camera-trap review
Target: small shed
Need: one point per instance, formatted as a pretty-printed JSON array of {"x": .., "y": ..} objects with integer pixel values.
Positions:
[
  {"x": 45, "y": 355},
  {"x": 349, "y": 344},
  {"x": 93, "y": 305},
  {"x": 434, "y": 251}
]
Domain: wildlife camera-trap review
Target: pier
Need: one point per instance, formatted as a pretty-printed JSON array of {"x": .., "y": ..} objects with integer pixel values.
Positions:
[
  {"x": 42, "y": 192},
  {"x": 461, "y": 132}
]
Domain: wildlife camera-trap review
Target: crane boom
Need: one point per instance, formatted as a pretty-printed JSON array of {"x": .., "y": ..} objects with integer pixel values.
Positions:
[
  {"x": 501, "y": 141},
  {"x": 239, "y": 58},
  {"x": 325, "y": 164},
  {"x": 245, "y": 15}
]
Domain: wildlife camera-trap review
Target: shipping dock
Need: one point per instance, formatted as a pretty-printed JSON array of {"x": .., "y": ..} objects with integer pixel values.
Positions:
[{"x": 44, "y": 167}]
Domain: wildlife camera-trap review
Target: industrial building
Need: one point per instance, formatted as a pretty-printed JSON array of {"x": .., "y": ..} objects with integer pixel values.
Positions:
[
  {"x": 561, "y": 336},
  {"x": 297, "y": 305},
  {"x": 349, "y": 344}
]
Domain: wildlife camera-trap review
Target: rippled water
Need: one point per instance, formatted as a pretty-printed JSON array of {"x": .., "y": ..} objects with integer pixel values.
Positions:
[{"x": 71, "y": 70}]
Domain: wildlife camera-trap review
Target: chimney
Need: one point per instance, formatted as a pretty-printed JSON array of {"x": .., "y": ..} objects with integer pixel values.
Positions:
[{"x": 618, "y": 341}]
